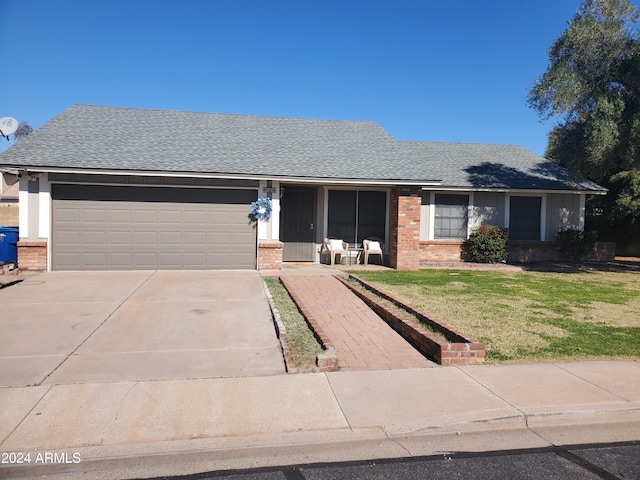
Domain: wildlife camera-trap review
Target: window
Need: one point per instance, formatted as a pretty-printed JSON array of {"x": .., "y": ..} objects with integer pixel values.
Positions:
[
  {"x": 451, "y": 216},
  {"x": 356, "y": 215},
  {"x": 524, "y": 218}
]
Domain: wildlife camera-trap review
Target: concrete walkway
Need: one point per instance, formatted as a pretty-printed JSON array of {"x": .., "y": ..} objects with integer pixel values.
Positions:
[{"x": 363, "y": 341}]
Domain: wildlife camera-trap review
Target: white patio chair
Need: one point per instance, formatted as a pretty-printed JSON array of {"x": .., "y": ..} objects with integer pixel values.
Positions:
[
  {"x": 335, "y": 248},
  {"x": 372, "y": 246}
]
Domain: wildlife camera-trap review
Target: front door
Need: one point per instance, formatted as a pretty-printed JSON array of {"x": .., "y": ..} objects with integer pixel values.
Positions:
[{"x": 297, "y": 224}]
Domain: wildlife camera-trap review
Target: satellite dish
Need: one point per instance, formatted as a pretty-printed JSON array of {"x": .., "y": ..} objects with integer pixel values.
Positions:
[{"x": 8, "y": 126}]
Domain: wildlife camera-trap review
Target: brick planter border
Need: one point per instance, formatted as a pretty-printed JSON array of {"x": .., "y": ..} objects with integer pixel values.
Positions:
[
  {"x": 460, "y": 350},
  {"x": 327, "y": 361}
]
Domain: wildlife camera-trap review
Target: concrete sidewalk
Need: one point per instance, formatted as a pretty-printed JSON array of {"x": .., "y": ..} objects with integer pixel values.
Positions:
[{"x": 140, "y": 429}]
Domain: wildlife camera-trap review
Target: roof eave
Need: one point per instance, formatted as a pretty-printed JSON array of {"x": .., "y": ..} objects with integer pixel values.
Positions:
[
  {"x": 236, "y": 176},
  {"x": 516, "y": 190}
]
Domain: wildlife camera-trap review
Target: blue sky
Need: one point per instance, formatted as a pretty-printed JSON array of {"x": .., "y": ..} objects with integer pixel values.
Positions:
[{"x": 424, "y": 70}]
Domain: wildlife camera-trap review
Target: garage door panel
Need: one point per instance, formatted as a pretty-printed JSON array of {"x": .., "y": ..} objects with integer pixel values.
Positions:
[
  {"x": 220, "y": 218},
  {"x": 121, "y": 260},
  {"x": 100, "y": 227},
  {"x": 169, "y": 260},
  {"x": 243, "y": 239},
  {"x": 220, "y": 260},
  {"x": 119, "y": 239},
  {"x": 67, "y": 237},
  {"x": 194, "y": 218},
  {"x": 94, "y": 237},
  {"x": 68, "y": 260},
  {"x": 68, "y": 215},
  {"x": 194, "y": 260},
  {"x": 94, "y": 260},
  {"x": 119, "y": 215},
  {"x": 170, "y": 239},
  {"x": 145, "y": 216},
  {"x": 145, "y": 239},
  {"x": 220, "y": 240},
  {"x": 169, "y": 217},
  {"x": 93, "y": 216},
  {"x": 237, "y": 260},
  {"x": 145, "y": 260},
  {"x": 193, "y": 239}
]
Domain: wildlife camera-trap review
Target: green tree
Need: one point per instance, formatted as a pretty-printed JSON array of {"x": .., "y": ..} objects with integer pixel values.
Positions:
[{"x": 591, "y": 90}]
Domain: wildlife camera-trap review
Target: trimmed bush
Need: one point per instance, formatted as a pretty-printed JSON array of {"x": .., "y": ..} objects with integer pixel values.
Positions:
[
  {"x": 575, "y": 245},
  {"x": 488, "y": 244}
]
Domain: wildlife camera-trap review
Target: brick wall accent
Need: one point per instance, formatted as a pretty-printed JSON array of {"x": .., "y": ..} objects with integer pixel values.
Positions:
[
  {"x": 270, "y": 255},
  {"x": 32, "y": 255},
  {"x": 404, "y": 245},
  {"x": 440, "y": 251},
  {"x": 450, "y": 251},
  {"x": 531, "y": 252},
  {"x": 604, "y": 252}
]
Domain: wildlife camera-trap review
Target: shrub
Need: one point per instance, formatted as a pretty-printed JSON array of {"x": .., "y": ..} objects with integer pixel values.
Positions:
[
  {"x": 575, "y": 245},
  {"x": 488, "y": 244}
]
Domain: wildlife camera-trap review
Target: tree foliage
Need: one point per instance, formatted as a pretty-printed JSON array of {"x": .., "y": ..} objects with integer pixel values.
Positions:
[
  {"x": 592, "y": 91},
  {"x": 23, "y": 130}
]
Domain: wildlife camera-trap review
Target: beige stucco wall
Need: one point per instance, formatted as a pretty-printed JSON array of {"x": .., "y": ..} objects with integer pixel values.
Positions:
[
  {"x": 488, "y": 209},
  {"x": 9, "y": 201},
  {"x": 563, "y": 211},
  {"x": 9, "y": 214}
]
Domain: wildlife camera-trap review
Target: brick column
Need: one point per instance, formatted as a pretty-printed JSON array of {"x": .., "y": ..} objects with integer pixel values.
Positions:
[
  {"x": 405, "y": 228},
  {"x": 32, "y": 255},
  {"x": 270, "y": 255}
]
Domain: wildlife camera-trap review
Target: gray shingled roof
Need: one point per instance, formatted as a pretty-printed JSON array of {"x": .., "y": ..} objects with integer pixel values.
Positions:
[
  {"x": 86, "y": 137},
  {"x": 493, "y": 166}
]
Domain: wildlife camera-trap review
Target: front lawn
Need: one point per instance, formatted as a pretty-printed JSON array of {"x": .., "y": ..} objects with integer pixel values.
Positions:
[{"x": 529, "y": 316}]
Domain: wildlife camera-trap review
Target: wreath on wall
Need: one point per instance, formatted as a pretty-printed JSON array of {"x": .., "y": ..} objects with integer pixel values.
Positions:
[{"x": 261, "y": 209}]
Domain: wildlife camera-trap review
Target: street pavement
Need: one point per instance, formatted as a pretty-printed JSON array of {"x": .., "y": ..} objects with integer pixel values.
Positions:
[
  {"x": 617, "y": 461},
  {"x": 116, "y": 420}
]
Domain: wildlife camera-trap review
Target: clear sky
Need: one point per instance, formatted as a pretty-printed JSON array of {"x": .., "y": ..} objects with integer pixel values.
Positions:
[{"x": 423, "y": 69}]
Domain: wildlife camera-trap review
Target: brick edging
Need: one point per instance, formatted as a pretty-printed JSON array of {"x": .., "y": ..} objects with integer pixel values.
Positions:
[
  {"x": 463, "y": 351},
  {"x": 327, "y": 361}
]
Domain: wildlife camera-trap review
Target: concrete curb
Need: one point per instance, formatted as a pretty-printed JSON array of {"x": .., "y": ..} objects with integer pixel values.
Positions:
[{"x": 224, "y": 453}]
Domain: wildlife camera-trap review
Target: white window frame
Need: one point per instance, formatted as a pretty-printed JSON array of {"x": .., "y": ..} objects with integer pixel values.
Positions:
[{"x": 432, "y": 210}]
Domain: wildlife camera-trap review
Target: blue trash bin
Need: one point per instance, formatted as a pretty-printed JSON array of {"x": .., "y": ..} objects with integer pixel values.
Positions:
[{"x": 8, "y": 245}]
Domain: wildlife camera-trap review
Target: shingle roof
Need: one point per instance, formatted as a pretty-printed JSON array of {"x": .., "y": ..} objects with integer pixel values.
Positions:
[
  {"x": 477, "y": 165},
  {"x": 87, "y": 137}
]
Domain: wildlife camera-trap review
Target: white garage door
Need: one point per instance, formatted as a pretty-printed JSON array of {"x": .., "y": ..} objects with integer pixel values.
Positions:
[{"x": 122, "y": 228}]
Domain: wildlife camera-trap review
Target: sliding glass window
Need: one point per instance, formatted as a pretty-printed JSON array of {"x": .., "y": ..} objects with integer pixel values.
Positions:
[{"x": 355, "y": 215}]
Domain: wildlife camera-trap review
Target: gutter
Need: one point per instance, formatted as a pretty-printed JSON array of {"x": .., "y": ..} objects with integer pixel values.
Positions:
[{"x": 239, "y": 176}]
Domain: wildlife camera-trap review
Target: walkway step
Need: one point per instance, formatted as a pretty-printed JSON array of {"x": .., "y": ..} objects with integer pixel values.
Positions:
[{"x": 363, "y": 340}]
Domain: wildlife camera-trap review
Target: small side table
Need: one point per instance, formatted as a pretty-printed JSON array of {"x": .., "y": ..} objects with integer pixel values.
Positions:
[{"x": 355, "y": 253}]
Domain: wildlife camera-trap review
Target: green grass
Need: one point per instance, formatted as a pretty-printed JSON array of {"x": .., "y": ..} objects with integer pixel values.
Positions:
[
  {"x": 302, "y": 346},
  {"x": 529, "y": 316}
]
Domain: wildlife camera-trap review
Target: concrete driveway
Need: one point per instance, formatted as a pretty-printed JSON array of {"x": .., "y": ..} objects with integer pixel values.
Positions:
[{"x": 76, "y": 327}]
